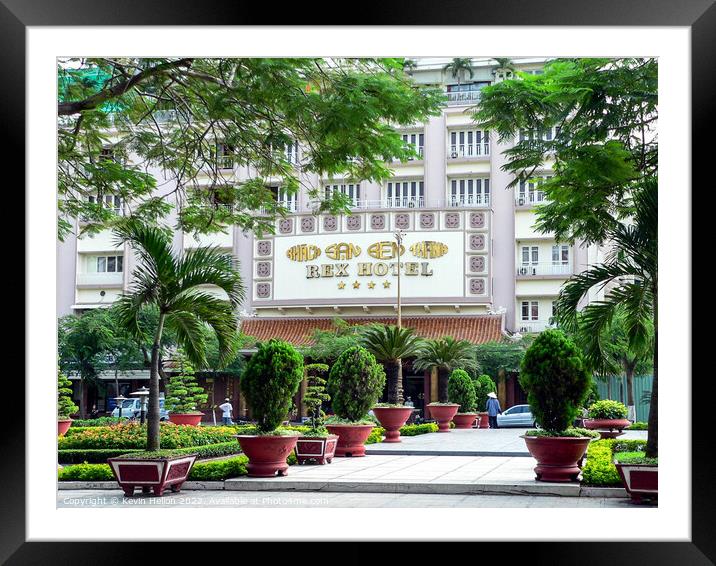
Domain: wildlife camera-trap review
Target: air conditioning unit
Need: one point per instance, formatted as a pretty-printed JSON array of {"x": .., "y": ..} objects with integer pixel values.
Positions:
[
  {"x": 523, "y": 271},
  {"x": 453, "y": 155},
  {"x": 521, "y": 201},
  {"x": 524, "y": 330}
]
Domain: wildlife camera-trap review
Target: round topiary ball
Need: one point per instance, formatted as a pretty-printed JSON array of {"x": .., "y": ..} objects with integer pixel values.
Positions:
[
  {"x": 270, "y": 380},
  {"x": 461, "y": 391},
  {"x": 554, "y": 376},
  {"x": 355, "y": 383}
]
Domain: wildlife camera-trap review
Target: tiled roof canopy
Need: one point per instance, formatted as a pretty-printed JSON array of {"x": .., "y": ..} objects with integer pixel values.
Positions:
[{"x": 298, "y": 331}]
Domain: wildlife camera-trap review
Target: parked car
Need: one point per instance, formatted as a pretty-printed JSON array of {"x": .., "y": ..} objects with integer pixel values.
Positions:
[
  {"x": 517, "y": 416},
  {"x": 132, "y": 408}
]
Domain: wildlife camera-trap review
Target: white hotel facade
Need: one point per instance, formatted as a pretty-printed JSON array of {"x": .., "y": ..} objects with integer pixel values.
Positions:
[{"x": 473, "y": 264}]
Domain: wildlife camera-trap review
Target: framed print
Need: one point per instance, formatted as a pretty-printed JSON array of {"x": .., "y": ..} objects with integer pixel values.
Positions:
[{"x": 312, "y": 288}]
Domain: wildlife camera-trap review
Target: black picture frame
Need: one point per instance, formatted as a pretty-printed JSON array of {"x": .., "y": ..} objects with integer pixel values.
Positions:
[{"x": 699, "y": 15}]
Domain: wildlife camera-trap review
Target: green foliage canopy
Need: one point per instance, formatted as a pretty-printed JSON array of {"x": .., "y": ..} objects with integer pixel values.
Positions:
[
  {"x": 461, "y": 390},
  {"x": 355, "y": 383}
]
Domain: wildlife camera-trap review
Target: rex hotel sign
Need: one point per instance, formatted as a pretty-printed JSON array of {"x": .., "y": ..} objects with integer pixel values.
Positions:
[{"x": 373, "y": 261}]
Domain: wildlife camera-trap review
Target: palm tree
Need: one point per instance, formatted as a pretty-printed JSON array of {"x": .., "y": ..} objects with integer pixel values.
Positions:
[
  {"x": 446, "y": 354},
  {"x": 390, "y": 345},
  {"x": 630, "y": 270},
  {"x": 504, "y": 64},
  {"x": 458, "y": 66},
  {"x": 173, "y": 284}
]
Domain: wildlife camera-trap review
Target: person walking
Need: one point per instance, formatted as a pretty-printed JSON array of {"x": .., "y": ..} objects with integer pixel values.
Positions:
[
  {"x": 493, "y": 409},
  {"x": 227, "y": 410}
]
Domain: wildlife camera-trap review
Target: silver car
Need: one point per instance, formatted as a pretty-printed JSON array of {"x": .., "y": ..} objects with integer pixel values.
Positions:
[{"x": 517, "y": 416}]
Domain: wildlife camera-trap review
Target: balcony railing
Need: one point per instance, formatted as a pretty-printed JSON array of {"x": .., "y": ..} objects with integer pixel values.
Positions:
[
  {"x": 463, "y": 98},
  {"x": 524, "y": 327},
  {"x": 544, "y": 268},
  {"x": 469, "y": 201},
  {"x": 469, "y": 150},
  {"x": 530, "y": 198},
  {"x": 109, "y": 278}
]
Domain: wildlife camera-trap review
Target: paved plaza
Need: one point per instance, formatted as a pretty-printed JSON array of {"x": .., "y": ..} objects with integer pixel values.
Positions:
[
  {"x": 279, "y": 499},
  {"x": 469, "y": 442}
]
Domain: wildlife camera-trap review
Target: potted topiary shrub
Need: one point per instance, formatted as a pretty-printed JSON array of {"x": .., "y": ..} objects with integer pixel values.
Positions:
[
  {"x": 483, "y": 386},
  {"x": 316, "y": 445},
  {"x": 608, "y": 417},
  {"x": 355, "y": 383},
  {"x": 183, "y": 394},
  {"x": 462, "y": 391},
  {"x": 556, "y": 381},
  {"x": 270, "y": 380},
  {"x": 65, "y": 406}
]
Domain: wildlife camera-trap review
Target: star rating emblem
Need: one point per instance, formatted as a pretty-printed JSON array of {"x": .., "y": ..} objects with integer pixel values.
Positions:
[
  {"x": 341, "y": 285},
  {"x": 371, "y": 285},
  {"x": 386, "y": 284},
  {"x": 356, "y": 285}
]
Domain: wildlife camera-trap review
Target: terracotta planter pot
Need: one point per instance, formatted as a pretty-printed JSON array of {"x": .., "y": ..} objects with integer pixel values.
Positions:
[
  {"x": 391, "y": 419},
  {"x": 484, "y": 420},
  {"x": 318, "y": 449},
  {"x": 443, "y": 414},
  {"x": 152, "y": 475},
  {"x": 351, "y": 438},
  {"x": 267, "y": 454},
  {"x": 606, "y": 424},
  {"x": 464, "y": 420},
  {"x": 63, "y": 425},
  {"x": 558, "y": 457},
  {"x": 641, "y": 481},
  {"x": 191, "y": 419}
]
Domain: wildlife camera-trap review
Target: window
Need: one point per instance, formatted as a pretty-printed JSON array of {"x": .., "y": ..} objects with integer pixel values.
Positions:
[
  {"x": 405, "y": 194},
  {"x": 545, "y": 134},
  {"x": 469, "y": 192},
  {"x": 530, "y": 191},
  {"x": 110, "y": 264},
  {"x": 530, "y": 254},
  {"x": 560, "y": 254},
  {"x": 468, "y": 143},
  {"x": 225, "y": 154},
  {"x": 351, "y": 190},
  {"x": 107, "y": 154},
  {"x": 530, "y": 310},
  {"x": 285, "y": 198},
  {"x": 291, "y": 152},
  {"x": 416, "y": 141},
  {"x": 112, "y": 202}
]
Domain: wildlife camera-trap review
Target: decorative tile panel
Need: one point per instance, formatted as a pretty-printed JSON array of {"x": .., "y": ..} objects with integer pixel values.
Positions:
[
  {"x": 377, "y": 221},
  {"x": 477, "y": 242},
  {"x": 330, "y": 223},
  {"x": 308, "y": 224},
  {"x": 452, "y": 220},
  {"x": 263, "y": 290},
  {"x": 427, "y": 220},
  {"x": 263, "y": 247},
  {"x": 353, "y": 222},
  {"x": 402, "y": 221},
  {"x": 477, "y": 220},
  {"x": 285, "y": 225},
  {"x": 263, "y": 269},
  {"x": 477, "y": 286},
  {"x": 477, "y": 263}
]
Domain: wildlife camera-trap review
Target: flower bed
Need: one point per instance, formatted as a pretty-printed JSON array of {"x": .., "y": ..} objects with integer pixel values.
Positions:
[
  {"x": 599, "y": 469},
  {"x": 134, "y": 436}
]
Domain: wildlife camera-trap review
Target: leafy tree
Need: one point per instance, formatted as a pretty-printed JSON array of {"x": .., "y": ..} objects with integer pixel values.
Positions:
[
  {"x": 492, "y": 357},
  {"x": 461, "y": 390},
  {"x": 84, "y": 342},
  {"x": 271, "y": 379},
  {"x": 183, "y": 393},
  {"x": 604, "y": 187},
  {"x": 483, "y": 385},
  {"x": 186, "y": 116},
  {"x": 556, "y": 380},
  {"x": 174, "y": 286},
  {"x": 355, "y": 383},
  {"x": 390, "y": 345},
  {"x": 446, "y": 354},
  {"x": 65, "y": 405},
  {"x": 316, "y": 395},
  {"x": 327, "y": 345},
  {"x": 458, "y": 67}
]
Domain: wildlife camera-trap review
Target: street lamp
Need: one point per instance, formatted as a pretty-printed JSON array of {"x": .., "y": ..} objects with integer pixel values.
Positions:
[
  {"x": 142, "y": 393},
  {"x": 399, "y": 239},
  {"x": 119, "y": 401}
]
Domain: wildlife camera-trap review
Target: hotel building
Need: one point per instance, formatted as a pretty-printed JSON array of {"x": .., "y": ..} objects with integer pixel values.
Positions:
[{"x": 472, "y": 266}]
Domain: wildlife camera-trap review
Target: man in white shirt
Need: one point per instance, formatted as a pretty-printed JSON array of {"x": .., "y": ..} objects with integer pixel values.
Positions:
[{"x": 227, "y": 409}]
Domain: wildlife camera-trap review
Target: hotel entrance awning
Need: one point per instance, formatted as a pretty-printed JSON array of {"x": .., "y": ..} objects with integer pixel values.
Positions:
[{"x": 477, "y": 329}]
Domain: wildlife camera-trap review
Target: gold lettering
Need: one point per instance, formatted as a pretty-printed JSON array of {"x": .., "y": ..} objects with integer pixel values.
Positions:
[
  {"x": 303, "y": 252},
  {"x": 342, "y": 250},
  {"x": 385, "y": 250},
  {"x": 341, "y": 270},
  {"x": 411, "y": 268},
  {"x": 326, "y": 270},
  {"x": 429, "y": 249},
  {"x": 425, "y": 268},
  {"x": 365, "y": 268},
  {"x": 380, "y": 268},
  {"x": 312, "y": 271}
]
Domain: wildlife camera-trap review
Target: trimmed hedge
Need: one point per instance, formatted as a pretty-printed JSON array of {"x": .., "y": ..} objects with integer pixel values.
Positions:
[
  {"x": 599, "y": 469},
  {"x": 638, "y": 426},
  {"x": 100, "y": 421},
  {"x": 86, "y": 472},
  {"x": 99, "y": 456},
  {"x": 461, "y": 390}
]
